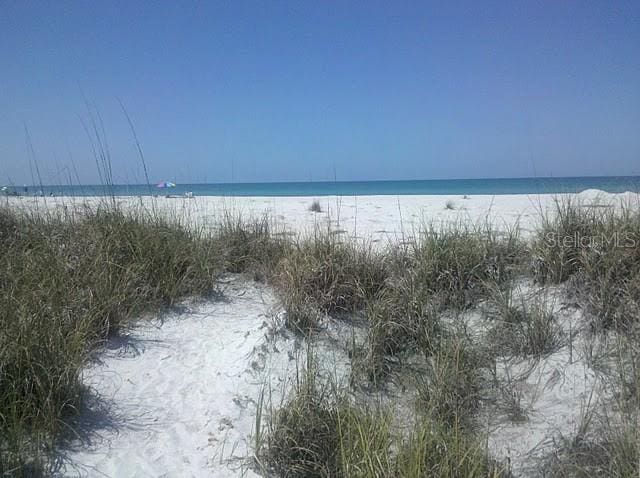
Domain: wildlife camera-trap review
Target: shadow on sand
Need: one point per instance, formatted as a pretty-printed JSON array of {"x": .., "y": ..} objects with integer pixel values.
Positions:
[{"x": 99, "y": 417}]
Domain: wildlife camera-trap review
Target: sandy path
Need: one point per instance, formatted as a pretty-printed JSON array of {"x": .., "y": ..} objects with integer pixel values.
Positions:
[{"x": 180, "y": 396}]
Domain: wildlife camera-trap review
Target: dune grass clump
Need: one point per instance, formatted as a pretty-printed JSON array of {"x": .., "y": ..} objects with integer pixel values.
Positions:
[
  {"x": 323, "y": 275},
  {"x": 594, "y": 248},
  {"x": 537, "y": 335},
  {"x": 315, "y": 206},
  {"x": 9, "y": 225},
  {"x": 42, "y": 347},
  {"x": 322, "y": 432},
  {"x": 451, "y": 389},
  {"x": 610, "y": 451},
  {"x": 564, "y": 237},
  {"x": 598, "y": 247},
  {"x": 524, "y": 326},
  {"x": 318, "y": 432},
  {"x": 143, "y": 261},
  {"x": 433, "y": 449},
  {"x": 608, "y": 284},
  {"x": 67, "y": 283},
  {"x": 366, "y": 441},
  {"x": 402, "y": 319},
  {"x": 445, "y": 441},
  {"x": 607, "y": 440},
  {"x": 250, "y": 246},
  {"x": 303, "y": 439},
  {"x": 587, "y": 238},
  {"x": 445, "y": 268},
  {"x": 611, "y": 300},
  {"x": 318, "y": 435},
  {"x": 455, "y": 261}
]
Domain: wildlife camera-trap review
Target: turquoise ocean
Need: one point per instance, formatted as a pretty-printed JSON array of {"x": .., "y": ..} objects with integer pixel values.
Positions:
[{"x": 613, "y": 184}]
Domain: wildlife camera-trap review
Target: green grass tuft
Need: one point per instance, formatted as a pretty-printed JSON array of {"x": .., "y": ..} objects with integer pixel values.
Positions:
[{"x": 323, "y": 275}]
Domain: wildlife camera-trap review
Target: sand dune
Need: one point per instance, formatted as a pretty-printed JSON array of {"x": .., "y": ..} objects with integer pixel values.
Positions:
[{"x": 178, "y": 396}]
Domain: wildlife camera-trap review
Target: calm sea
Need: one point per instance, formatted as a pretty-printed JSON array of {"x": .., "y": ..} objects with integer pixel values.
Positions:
[{"x": 362, "y": 188}]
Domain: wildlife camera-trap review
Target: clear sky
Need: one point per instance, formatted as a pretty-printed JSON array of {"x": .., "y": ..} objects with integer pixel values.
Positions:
[{"x": 281, "y": 91}]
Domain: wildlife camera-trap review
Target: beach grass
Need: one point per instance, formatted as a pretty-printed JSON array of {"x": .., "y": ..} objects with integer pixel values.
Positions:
[
  {"x": 455, "y": 261},
  {"x": 442, "y": 273},
  {"x": 72, "y": 279},
  {"x": 597, "y": 246},
  {"x": 315, "y": 206},
  {"x": 250, "y": 245},
  {"x": 325, "y": 275},
  {"x": 522, "y": 326},
  {"x": 68, "y": 282},
  {"x": 320, "y": 431},
  {"x": 402, "y": 319}
]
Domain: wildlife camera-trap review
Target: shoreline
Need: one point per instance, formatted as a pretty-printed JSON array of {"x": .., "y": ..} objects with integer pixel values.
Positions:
[{"x": 420, "y": 187}]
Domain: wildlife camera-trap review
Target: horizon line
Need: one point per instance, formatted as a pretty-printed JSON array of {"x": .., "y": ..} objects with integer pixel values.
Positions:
[{"x": 311, "y": 181}]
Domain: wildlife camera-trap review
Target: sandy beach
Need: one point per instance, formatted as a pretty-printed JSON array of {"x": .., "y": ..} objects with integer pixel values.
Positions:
[
  {"x": 177, "y": 395},
  {"x": 378, "y": 219}
]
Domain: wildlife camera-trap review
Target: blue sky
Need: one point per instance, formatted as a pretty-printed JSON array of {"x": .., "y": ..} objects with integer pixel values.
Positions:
[{"x": 282, "y": 91}]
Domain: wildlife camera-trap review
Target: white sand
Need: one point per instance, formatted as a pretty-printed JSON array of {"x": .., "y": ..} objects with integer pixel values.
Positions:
[
  {"x": 375, "y": 218},
  {"x": 178, "y": 398}
]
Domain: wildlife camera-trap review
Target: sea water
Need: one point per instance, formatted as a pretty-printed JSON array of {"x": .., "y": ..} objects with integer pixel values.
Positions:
[{"x": 612, "y": 184}]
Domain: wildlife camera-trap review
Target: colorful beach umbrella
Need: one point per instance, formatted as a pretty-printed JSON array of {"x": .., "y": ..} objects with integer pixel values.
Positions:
[{"x": 165, "y": 184}]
